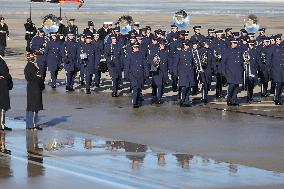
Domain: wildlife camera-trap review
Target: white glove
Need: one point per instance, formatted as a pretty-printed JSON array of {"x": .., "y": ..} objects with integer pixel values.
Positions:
[{"x": 251, "y": 75}]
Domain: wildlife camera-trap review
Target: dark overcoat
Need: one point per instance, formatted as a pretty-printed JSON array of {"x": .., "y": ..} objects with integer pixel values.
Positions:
[
  {"x": 35, "y": 87},
  {"x": 6, "y": 84}
]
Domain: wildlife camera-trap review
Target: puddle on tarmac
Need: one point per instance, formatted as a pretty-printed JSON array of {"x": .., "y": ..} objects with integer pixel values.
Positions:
[{"x": 122, "y": 162}]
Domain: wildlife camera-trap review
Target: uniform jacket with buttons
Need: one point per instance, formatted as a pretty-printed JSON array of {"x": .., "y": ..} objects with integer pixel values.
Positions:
[
  {"x": 276, "y": 63},
  {"x": 137, "y": 69},
  {"x": 112, "y": 54},
  {"x": 52, "y": 55},
  {"x": 69, "y": 54},
  {"x": 233, "y": 64},
  {"x": 184, "y": 62}
]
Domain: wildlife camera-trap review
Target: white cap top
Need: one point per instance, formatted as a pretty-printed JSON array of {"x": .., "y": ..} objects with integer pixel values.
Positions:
[{"x": 109, "y": 23}]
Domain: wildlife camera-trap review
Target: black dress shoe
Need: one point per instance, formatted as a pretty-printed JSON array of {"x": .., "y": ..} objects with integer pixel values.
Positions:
[
  {"x": 97, "y": 85},
  {"x": 205, "y": 101},
  {"x": 6, "y": 129},
  {"x": 159, "y": 101},
  {"x": 218, "y": 96},
  {"x": 67, "y": 88},
  {"x": 229, "y": 103},
  {"x": 235, "y": 104},
  {"x": 136, "y": 106},
  {"x": 30, "y": 129},
  {"x": 114, "y": 95},
  {"x": 250, "y": 100},
  {"x": 88, "y": 91},
  {"x": 185, "y": 105},
  {"x": 38, "y": 128},
  {"x": 71, "y": 89},
  {"x": 278, "y": 102},
  {"x": 53, "y": 86},
  {"x": 265, "y": 95}
]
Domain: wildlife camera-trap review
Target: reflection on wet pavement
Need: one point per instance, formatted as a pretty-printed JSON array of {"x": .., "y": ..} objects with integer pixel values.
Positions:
[{"x": 52, "y": 155}]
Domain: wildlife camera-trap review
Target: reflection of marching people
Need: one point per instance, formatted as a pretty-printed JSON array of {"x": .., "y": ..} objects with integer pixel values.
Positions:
[
  {"x": 5, "y": 158},
  {"x": 35, "y": 155},
  {"x": 136, "y": 153}
]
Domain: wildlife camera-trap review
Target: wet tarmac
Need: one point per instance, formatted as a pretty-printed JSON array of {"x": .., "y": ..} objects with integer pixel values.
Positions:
[{"x": 55, "y": 158}]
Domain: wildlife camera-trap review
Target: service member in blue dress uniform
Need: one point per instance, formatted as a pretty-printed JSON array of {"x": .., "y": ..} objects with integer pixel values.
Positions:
[
  {"x": 174, "y": 46},
  {"x": 152, "y": 52},
  {"x": 205, "y": 73},
  {"x": 251, "y": 69},
  {"x": 159, "y": 70},
  {"x": 137, "y": 70},
  {"x": 90, "y": 28},
  {"x": 271, "y": 47},
  {"x": 261, "y": 36},
  {"x": 276, "y": 63},
  {"x": 126, "y": 51},
  {"x": 69, "y": 58},
  {"x": 197, "y": 35},
  {"x": 243, "y": 43},
  {"x": 233, "y": 64},
  {"x": 78, "y": 65},
  {"x": 35, "y": 85},
  {"x": 173, "y": 32},
  {"x": 185, "y": 64},
  {"x": 72, "y": 28},
  {"x": 263, "y": 71},
  {"x": 99, "y": 48},
  {"x": 89, "y": 59},
  {"x": 38, "y": 45},
  {"x": 218, "y": 45},
  {"x": 6, "y": 84},
  {"x": 52, "y": 57},
  {"x": 211, "y": 34},
  {"x": 104, "y": 30},
  {"x": 112, "y": 54}
]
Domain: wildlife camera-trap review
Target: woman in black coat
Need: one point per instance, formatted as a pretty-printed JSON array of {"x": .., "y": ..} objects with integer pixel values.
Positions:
[
  {"x": 35, "y": 86},
  {"x": 6, "y": 84}
]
